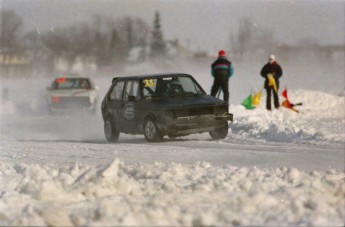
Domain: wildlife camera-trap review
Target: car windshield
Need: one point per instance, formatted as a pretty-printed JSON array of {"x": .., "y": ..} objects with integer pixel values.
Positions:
[
  {"x": 170, "y": 86},
  {"x": 71, "y": 83}
]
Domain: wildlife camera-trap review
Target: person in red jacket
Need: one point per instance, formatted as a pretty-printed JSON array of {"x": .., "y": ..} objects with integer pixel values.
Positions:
[
  {"x": 221, "y": 71},
  {"x": 272, "y": 69}
]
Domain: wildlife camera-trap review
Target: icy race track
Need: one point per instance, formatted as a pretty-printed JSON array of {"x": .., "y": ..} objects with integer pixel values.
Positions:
[{"x": 274, "y": 169}]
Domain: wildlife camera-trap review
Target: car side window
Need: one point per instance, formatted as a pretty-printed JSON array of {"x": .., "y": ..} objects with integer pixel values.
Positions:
[
  {"x": 149, "y": 87},
  {"x": 116, "y": 93},
  {"x": 132, "y": 89},
  {"x": 83, "y": 84},
  {"x": 136, "y": 90},
  {"x": 127, "y": 90}
]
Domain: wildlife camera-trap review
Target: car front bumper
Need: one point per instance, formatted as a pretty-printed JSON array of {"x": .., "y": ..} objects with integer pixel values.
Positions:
[{"x": 194, "y": 124}]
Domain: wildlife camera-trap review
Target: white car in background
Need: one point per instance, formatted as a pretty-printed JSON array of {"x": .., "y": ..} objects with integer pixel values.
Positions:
[{"x": 72, "y": 93}]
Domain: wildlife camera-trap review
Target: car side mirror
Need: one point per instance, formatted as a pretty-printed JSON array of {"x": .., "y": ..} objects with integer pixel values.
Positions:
[{"x": 131, "y": 98}]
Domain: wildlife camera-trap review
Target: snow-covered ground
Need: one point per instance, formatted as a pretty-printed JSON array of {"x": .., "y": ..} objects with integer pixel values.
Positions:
[{"x": 274, "y": 168}]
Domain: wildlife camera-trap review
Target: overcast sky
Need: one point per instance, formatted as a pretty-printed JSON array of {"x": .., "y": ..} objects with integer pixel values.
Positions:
[{"x": 203, "y": 24}]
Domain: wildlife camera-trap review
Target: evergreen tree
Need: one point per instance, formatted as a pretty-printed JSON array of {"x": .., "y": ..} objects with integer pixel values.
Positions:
[
  {"x": 143, "y": 52},
  {"x": 158, "y": 48}
]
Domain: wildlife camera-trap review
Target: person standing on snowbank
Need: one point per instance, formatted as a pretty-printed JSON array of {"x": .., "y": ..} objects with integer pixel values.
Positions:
[
  {"x": 272, "y": 73},
  {"x": 221, "y": 71}
]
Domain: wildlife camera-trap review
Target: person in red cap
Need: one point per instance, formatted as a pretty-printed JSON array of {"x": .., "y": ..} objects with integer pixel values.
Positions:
[{"x": 221, "y": 71}]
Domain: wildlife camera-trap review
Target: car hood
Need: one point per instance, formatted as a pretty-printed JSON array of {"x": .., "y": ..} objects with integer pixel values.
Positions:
[{"x": 189, "y": 101}]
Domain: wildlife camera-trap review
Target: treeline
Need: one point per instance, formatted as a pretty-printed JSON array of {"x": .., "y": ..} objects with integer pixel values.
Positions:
[
  {"x": 105, "y": 43},
  {"x": 101, "y": 42}
]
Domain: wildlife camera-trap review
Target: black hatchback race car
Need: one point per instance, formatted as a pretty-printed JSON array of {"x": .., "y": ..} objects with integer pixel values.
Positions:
[{"x": 158, "y": 105}]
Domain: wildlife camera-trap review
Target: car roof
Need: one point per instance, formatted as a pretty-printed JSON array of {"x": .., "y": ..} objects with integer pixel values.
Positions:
[
  {"x": 151, "y": 76},
  {"x": 73, "y": 77}
]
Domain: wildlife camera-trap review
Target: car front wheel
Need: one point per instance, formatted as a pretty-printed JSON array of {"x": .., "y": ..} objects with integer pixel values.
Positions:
[
  {"x": 151, "y": 131},
  {"x": 110, "y": 131},
  {"x": 220, "y": 133}
]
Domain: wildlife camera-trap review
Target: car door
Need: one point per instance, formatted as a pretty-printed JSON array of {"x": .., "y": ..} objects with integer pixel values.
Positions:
[
  {"x": 115, "y": 103},
  {"x": 131, "y": 100}
]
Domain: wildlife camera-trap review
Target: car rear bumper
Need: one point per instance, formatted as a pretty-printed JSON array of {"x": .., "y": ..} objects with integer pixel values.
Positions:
[
  {"x": 59, "y": 109},
  {"x": 70, "y": 104}
]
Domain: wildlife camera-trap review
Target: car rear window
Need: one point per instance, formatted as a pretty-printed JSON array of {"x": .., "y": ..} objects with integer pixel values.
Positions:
[{"x": 71, "y": 83}]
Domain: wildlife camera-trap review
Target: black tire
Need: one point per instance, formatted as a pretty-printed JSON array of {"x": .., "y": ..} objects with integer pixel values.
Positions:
[
  {"x": 220, "y": 133},
  {"x": 110, "y": 131},
  {"x": 151, "y": 131}
]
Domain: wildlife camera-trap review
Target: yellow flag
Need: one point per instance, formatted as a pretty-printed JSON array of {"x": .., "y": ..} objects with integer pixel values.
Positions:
[
  {"x": 256, "y": 98},
  {"x": 272, "y": 82}
]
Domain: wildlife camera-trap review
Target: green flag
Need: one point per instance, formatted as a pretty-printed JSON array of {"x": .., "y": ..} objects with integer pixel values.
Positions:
[{"x": 247, "y": 103}]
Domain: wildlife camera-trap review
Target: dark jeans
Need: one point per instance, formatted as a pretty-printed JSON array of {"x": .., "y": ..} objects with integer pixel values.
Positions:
[
  {"x": 270, "y": 90},
  {"x": 221, "y": 81}
]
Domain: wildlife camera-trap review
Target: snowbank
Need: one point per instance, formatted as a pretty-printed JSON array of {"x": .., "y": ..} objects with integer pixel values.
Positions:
[
  {"x": 321, "y": 118},
  {"x": 168, "y": 195}
]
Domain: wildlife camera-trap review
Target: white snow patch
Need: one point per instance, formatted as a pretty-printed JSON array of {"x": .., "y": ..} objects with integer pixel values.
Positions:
[
  {"x": 169, "y": 194},
  {"x": 321, "y": 118}
]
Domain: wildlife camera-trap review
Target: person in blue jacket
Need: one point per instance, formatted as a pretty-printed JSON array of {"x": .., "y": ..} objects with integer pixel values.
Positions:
[{"x": 221, "y": 71}]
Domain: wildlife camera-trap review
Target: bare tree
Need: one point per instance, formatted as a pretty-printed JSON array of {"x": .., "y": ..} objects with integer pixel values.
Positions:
[
  {"x": 11, "y": 24},
  {"x": 244, "y": 39},
  {"x": 58, "y": 45},
  {"x": 251, "y": 39},
  {"x": 117, "y": 49},
  {"x": 82, "y": 40},
  {"x": 36, "y": 52},
  {"x": 104, "y": 40}
]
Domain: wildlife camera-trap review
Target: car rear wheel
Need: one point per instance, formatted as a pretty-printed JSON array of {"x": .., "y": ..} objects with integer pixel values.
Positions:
[
  {"x": 151, "y": 131},
  {"x": 220, "y": 133},
  {"x": 110, "y": 131}
]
